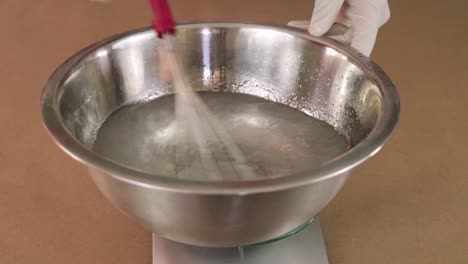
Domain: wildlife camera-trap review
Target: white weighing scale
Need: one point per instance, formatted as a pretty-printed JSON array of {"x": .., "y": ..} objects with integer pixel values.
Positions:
[{"x": 305, "y": 246}]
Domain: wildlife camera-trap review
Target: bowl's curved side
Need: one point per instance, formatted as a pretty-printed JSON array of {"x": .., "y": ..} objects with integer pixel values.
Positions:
[{"x": 218, "y": 220}]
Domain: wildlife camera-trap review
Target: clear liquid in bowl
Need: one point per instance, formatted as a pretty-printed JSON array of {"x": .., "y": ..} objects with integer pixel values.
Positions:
[{"x": 275, "y": 139}]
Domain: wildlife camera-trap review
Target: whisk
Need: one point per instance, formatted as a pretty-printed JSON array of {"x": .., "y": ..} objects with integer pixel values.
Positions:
[{"x": 218, "y": 153}]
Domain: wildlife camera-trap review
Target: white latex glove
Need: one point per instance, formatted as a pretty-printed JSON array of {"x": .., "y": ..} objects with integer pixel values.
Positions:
[{"x": 362, "y": 17}]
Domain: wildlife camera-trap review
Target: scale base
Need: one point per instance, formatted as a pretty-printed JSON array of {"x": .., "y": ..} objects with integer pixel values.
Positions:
[{"x": 305, "y": 247}]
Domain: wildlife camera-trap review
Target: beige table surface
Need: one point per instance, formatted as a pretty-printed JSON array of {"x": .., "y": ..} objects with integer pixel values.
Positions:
[{"x": 409, "y": 204}]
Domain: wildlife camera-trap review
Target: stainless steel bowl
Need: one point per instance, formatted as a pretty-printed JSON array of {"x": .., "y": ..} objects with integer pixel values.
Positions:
[{"x": 315, "y": 75}]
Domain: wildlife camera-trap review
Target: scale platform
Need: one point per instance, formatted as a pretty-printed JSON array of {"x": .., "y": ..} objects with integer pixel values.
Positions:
[{"x": 304, "y": 247}]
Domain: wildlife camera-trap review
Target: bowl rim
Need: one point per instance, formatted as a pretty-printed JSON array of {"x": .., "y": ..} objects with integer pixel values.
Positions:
[{"x": 365, "y": 149}]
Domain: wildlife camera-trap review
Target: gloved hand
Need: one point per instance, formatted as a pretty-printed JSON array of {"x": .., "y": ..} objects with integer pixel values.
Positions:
[{"x": 362, "y": 17}]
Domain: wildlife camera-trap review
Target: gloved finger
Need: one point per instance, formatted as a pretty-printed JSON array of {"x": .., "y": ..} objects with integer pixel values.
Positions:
[
  {"x": 366, "y": 18},
  {"x": 364, "y": 38},
  {"x": 324, "y": 15},
  {"x": 343, "y": 37},
  {"x": 381, "y": 6},
  {"x": 365, "y": 21},
  {"x": 302, "y": 24}
]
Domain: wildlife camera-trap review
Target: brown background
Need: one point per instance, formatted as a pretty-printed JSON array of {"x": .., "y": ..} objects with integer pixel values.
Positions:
[{"x": 407, "y": 205}]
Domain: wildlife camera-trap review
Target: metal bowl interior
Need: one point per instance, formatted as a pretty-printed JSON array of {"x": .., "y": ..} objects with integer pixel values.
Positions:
[{"x": 317, "y": 76}]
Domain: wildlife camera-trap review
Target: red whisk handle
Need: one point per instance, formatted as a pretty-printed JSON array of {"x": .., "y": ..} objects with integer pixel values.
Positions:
[{"x": 163, "y": 22}]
